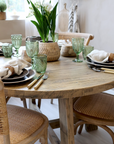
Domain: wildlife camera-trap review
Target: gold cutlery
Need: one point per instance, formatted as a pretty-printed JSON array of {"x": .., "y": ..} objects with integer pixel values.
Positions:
[
  {"x": 41, "y": 81},
  {"x": 106, "y": 70},
  {"x": 34, "y": 81}
]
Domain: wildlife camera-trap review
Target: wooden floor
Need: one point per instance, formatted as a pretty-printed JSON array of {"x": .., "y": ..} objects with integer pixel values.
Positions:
[{"x": 51, "y": 111}]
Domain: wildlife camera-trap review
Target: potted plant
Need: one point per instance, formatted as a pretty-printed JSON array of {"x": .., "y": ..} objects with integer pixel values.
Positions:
[
  {"x": 45, "y": 23},
  {"x": 3, "y": 7}
]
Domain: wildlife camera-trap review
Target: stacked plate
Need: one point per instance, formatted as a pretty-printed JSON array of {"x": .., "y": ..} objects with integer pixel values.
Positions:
[
  {"x": 100, "y": 64},
  {"x": 24, "y": 76},
  {"x": 1, "y": 52}
]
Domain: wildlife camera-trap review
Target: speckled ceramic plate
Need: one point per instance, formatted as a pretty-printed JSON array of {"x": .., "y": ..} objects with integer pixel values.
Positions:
[
  {"x": 15, "y": 77},
  {"x": 31, "y": 74}
]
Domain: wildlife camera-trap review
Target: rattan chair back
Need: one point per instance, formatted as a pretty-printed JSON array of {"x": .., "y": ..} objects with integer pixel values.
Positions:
[
  {"x": 20, "y": 125},
  {"x": 68, "y": 36}
]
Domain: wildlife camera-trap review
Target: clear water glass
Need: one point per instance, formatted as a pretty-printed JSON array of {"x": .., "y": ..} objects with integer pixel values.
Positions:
[
  {"x": 40, "y": 63},
  {"x": 86, "y": 51},
  {"x": 77, "y": 45},
  {"x": 32, "y": 49},
  {"x": 16, "y": 42},
  {"x": 7, "y": 50}
]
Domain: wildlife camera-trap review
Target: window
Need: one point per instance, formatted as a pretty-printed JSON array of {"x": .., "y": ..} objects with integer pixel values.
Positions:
[
  {"x": 20, "y": 8},
  {"x": 14, "y": 5},
  {"x": 15, "y": 8}
]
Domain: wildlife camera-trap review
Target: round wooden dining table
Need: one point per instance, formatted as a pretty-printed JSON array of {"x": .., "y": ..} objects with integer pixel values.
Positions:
[{"x": 66, "y": 80}]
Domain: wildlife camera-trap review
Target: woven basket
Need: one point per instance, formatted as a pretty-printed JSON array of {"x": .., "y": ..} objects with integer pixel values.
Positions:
[
  {"x": 67, "y": 51},
  {"x": 2, "y": 15},
  {"x": 51, "y": 49}
]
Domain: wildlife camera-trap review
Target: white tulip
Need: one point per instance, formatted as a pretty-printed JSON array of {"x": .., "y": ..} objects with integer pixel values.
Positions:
[{"x": 47, "y": 6}]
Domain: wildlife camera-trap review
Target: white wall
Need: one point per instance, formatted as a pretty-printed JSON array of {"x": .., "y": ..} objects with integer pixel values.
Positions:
[
  {"x": 8, "y": 27},
  {"x": 96, "y": 17}
]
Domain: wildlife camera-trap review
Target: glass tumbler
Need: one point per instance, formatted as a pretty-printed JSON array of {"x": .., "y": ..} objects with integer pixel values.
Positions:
[
  {"x": 40, "y": 63},
  {"x": 86, "y": 51},
  {"x": 7, "y": 50}
]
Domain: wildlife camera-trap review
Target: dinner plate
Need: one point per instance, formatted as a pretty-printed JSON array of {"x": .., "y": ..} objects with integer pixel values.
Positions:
[
  {"x": 1, "y": 53},
  {"x": 100, "y": 63},
  {"x": 30, "y": 75},
  {"x": 14, "y": 77}
]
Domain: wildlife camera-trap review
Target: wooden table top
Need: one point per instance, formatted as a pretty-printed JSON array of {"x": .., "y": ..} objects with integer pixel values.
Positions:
[{"x": 66, "y": 79}]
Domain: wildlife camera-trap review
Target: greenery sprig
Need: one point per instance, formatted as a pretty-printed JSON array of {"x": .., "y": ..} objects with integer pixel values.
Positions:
[{"x": 45, "y": 19}]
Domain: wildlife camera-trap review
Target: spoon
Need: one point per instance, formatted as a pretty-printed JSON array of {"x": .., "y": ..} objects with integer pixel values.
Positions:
[{"x": 41, "y": 81}]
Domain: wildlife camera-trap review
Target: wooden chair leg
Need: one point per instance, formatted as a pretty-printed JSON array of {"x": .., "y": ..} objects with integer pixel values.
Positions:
[
  {"x": 44, "y": 138},
  {"x": 80, "y": 129},
  {"x": 77, "y": 124},
  {"x": 34, "y": 101},
  {"x": 109, "y": 131},
  {"x": 24, "y": 102},
  {"x": 39, "y": 103},
  {"x": 51, "y": 101},
  {"x": 7, "y": 99}
]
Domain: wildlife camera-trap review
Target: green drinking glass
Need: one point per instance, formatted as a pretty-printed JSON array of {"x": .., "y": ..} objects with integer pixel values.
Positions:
[
  {"x": 86, "y": 51},
  {"x": 77, "y": 45},
  {"x": 16, "y": 42},
  {"x": 32, "y": 49},
  {"x": 40, "y": 63},
  {"x": 7, "y": 50}
]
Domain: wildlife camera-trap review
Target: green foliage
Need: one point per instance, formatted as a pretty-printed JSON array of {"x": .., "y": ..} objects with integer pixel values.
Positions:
[
  {"x": 45, "y": 20},
  {"x": 52, "y": 20},
  {"x": 41, "y": 22},
  {"x": 3, "y": 6}
]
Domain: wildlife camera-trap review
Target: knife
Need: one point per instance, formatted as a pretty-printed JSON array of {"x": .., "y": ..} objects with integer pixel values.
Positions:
[
  {"x": 34, "y": 81},
  {"x": 41, "y": 81}
]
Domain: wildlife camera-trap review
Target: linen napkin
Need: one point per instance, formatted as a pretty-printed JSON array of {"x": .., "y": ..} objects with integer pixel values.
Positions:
[
  {"x": 99, "y": 56},
  {"x": 13, "y": 67}
]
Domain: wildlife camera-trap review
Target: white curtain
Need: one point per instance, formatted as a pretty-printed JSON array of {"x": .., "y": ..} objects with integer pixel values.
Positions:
[{"x": 30, "y": 29}]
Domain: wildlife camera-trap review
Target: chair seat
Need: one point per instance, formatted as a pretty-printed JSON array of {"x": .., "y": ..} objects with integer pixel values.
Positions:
[
  {"x": 100, "y": 106},
  {"x": 22, "y": 123}
]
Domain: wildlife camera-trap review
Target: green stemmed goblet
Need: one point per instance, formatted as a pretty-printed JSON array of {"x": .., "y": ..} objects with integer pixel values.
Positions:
[
  {"x": 16, "y": 42},
  {"x": 32, "y": 49},
  {"x": 77, "y": 45}
]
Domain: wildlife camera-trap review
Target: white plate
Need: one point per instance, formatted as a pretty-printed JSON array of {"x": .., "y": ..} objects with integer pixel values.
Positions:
[{"x": 31, "y": 74}]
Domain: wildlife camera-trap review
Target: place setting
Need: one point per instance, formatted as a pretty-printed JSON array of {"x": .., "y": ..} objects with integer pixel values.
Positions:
[
  {"x": 100, "y": 61},
  {"x": 16, "y": 71}
]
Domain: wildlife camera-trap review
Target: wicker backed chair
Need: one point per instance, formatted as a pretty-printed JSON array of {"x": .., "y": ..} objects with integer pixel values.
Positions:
[
  {"x": 97, "y": 109},
  {"x": 68, "y": 36},
  {"x": 19, "y": 125}
]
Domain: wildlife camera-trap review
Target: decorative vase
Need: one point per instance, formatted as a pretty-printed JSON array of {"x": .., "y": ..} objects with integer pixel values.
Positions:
[
  {"x": 2, "y": 15},
  {"x": 51, "y": 49}
]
